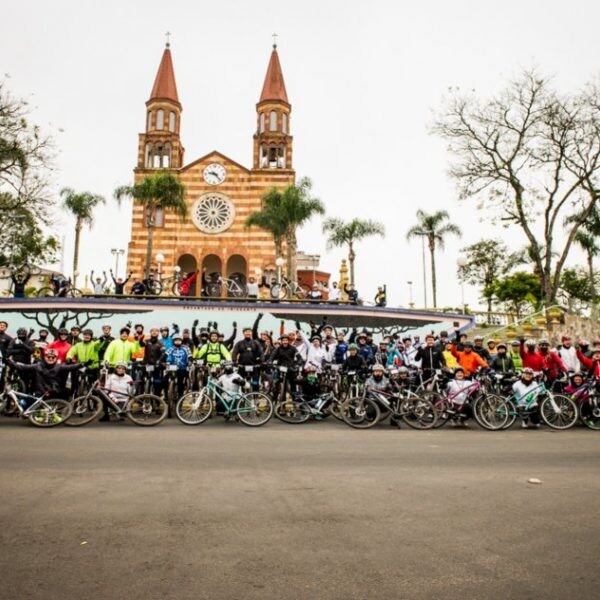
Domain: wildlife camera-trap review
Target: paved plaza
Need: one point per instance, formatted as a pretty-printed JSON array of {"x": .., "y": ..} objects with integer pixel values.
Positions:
[{"x": 312, "y": 511}]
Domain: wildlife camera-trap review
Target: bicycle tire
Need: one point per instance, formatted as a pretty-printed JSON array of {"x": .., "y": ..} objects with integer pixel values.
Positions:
[
  {"x": 171, "y": 398},
  {"x": 422, "y": 414},
  {"x": 566, "y": 416},
  {"x": 291, "y": 411},
  {"x": 361, "y": 417},
  {"x": 147, "y": 410},
  {"x": 213, "y": 290},
  {"x": 194, "y": 408},
  {"x": 302, "y": 292},
  {"x": 85, "y": 410},
  {"x": 441, "y": 405},
  {"x": 153, "y": 287},
  {"x": 56, "y": 413},
  {"x": 279, "y": 292},
  {"x": 491, "y": 412},
  {"x": 237, "y": 290},
  {"x": 74, "y": 293},
  {"x": 254, "y": 409},
  {"x": 176, "y": 289},
  {"x": 45, "y": 292},
  {"x": 589, "y": 413}
]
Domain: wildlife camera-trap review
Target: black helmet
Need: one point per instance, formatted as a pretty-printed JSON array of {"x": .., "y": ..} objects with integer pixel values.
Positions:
[
  {"x": 21, "y": 331},
  {"x": 228, "y": 367},
  {"x": 63, "y": 331},
  {"x": 87, "y": 332}
]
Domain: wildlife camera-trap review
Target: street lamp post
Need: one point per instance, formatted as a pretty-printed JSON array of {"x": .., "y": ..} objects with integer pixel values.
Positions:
[
  {"x": 160, "y": 259},
  {"x": 279, "y": 263},
  {"x": 411, "y": 304},
  {"x": 117, "y": 252}
]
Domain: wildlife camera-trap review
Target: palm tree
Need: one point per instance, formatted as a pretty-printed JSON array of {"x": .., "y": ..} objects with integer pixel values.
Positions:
[
  {"x": 433, "y": 228},
  {"x": 283, "y": 212},
  {"x": 160, "y": 190},
  {"x": 585, "y": 238},
  {"x": 81, "y": 205},
  {"x": 343, "y": 233}
]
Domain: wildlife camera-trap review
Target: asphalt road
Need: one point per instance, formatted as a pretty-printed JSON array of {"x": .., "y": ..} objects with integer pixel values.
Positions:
[{"x": 312, "y": 511}]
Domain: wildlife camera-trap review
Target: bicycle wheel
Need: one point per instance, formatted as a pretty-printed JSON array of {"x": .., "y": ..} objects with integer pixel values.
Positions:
[
  {"x": 558, "y": 412},
  {"x": 171, "y": 397},
  {"x": 254, "y": 409},
  {"x": 45, "y": 292},
  {"x": 153, "y": 287},
  {"x": 361, "y": 413},
  {"x": 491, "y": 412},
  {"x": 512, "y": 414},
  {"x": 147, "y": 410},
  {"x": 292, "y": 411},
  {"x": 589, "y": 412},
  {"x": 279, "y": 291},
  {"x": 443, "y": 408},
  {"x": 213, "y": 290},
  {"x": 194, "y": 408},
  {"x": 420, "y": 413},
  {"x": 85, "y": 410},
  {"x": 74, "y": 293},
  {"x": 176, "y": 289},
  {"x": 50, "y": 413},
  {"x": 302, "y": 292}
]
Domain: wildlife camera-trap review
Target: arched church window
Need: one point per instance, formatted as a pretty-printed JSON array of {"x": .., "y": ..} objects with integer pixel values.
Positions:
[
  {"x": 149, "y": 121},
  {"x": 172, "y": 121},
  {"x": 148, "y": 156},
  {"x": 284, "y": 123},
  {"x": 166, "y": 157},
  {"x": 281, "y": 157},
  {"x": 273, "y": 158},
  {"x": 156, "y": 158},
  {"x": 262, "y": 122},
  {"x": 160, "y": 119},
  {"x": 273, "y": 121},
  {"x": 263, "y": 157}
]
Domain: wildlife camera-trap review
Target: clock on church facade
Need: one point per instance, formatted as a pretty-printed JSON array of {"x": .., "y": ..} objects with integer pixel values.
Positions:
[{"x": 220, "y": 193}]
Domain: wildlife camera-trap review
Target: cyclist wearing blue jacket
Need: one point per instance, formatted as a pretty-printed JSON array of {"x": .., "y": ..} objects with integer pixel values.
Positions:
[{"x": 179, "y": 354}]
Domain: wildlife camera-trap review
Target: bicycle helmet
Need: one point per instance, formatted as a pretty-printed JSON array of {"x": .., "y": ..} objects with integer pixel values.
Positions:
[
  {"x": 87, "y": 332},
  {"x": 21, "y": 331},
  {"x": 285, "y": 336},
  {"x": 352, "y": 347},
  {"x": 468, "y": 345},
  {"x": 177, "y": 336},
  {"x": 530, "y": 342},
  {"x": 458, "y": 368},
  {"x": 403, "y": 370},
  {"x": 377, "y": 367},
  {"x": 63, "y": 331},
  {"x": 501, "y": 345},
  {"x": 543, "y": 342},
  {"x": 515, "y": 343},
  {"x": 121, "y": 364},
  {"x": 527, "y": 371},
  {"x": 478, "y": 338},
  {"x": 51, "y": 353}
]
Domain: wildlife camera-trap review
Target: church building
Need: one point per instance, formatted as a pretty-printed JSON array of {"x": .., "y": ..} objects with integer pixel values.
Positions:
[{"x": 220, "y": 193}]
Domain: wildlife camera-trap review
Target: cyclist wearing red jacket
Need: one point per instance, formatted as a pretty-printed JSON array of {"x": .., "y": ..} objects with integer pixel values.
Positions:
[
  {"x": 591, "y": 364},
  {"x": 531, "y": 358},
  {"x": 552, "y": 361}
]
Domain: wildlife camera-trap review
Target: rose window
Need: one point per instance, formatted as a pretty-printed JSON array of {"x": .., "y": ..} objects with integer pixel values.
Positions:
[{"x": 213, "y": 213}]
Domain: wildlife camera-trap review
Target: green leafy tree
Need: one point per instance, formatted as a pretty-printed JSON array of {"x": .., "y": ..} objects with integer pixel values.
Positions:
[
  {"x": 530, "y": 157},
  {"x": 518, "y": 291},
  {"x": 485, "y": 262},
  {"x": 347, "y": 233},
  {"x": 81, "y": 205},
  {"x": 285, "y": 211},
  {"x": 434, "y": 227},
  {"x": 160, "y": 190}
]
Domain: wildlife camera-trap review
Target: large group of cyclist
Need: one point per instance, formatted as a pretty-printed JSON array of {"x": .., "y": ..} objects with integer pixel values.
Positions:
[{"x": 197, "y": 373}]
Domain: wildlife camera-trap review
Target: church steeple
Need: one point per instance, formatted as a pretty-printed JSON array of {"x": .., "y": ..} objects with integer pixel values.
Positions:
[
  {"x": 272, "y": 140},
  {"x": 160, "y": 146}
]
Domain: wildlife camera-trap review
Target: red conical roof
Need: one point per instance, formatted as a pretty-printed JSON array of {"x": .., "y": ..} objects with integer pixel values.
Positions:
[
  {"x": 274, "y": 86},
  {"x": 164, "y": 87}
]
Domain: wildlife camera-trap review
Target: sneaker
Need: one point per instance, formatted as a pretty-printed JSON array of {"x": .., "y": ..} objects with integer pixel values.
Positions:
[{"x": 524, "y": 425}]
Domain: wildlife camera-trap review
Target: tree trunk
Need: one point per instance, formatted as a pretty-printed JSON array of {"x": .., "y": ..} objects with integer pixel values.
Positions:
[
  {"x": 78, "y": 226},
  {"x": 278, "y": 247},
  {"x": 590, "y": 261},
  {"x": 292, "y": 250},
  {"x": 433, "y": 276},
  {"x": 351, "y": 258}
]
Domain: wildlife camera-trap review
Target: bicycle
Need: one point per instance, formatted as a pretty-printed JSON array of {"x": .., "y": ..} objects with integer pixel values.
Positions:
[
  {"x": 143, "y": 409},
  {"x": 556, "y": 411},
  {"x": 286, "y": 290},
  {"x": 233, "y": 288},
  {"x": 587, "y": 399},
  {"x": 253, "y": 409},
  {"x": 42, "y": 412},
  {"x": 298, "y": 409},
  {"x": 415, "y": 411},
  {"x": 68, "y": 291}
]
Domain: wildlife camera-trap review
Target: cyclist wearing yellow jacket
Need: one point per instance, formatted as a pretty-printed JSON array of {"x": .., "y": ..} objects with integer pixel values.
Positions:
[
  {"x": 120, "y": 350},
  {"x": 213, "y": 351},
  {"x": 87, "y": 351}
]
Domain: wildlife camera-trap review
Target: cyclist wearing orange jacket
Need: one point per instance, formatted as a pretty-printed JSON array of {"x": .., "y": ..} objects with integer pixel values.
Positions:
[{"x": 470, "y": 361}]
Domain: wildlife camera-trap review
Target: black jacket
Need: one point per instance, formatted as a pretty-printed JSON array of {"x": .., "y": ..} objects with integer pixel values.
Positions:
[
  {"x": 20, "y": 350},
  {"x": 46, "y": 378},
  {"x": 286, "y": 357},
  {"x": 246, "y": 352},
  {"x": 430, "y": 358}
]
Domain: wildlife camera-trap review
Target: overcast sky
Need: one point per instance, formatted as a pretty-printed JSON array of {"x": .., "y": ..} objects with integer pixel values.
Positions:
[{"x": 362, "y": 82}]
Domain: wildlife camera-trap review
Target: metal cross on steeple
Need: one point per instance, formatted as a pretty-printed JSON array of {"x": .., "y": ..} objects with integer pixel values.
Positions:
[
  {"x": 168, "y": 36},
  {"x": 275, "y": 36}
]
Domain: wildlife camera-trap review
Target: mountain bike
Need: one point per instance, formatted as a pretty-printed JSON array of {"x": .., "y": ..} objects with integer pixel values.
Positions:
[
  {"x": 288, "y": 290},
  {"x": 417, "y": 412},
  {"x": 40, "y": 411},
  {"x": 143, "y": 409},
  {"x": 298, "y": 409},
  {"x": 587, "y": 398},
  {"x": 253, "y": 409},
  {"x": 233, "y": 288}
]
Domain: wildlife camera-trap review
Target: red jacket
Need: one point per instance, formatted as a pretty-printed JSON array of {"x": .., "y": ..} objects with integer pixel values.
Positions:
[
  {"x": 534, "y": 360},
  {"x": 593, "y": 366},
  {"x": 553, "y": 362},
  {"x": 61, "y": 347}
]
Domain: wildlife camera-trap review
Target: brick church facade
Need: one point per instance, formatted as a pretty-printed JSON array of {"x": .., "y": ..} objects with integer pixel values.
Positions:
[{"x": 220, "y": 193}]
